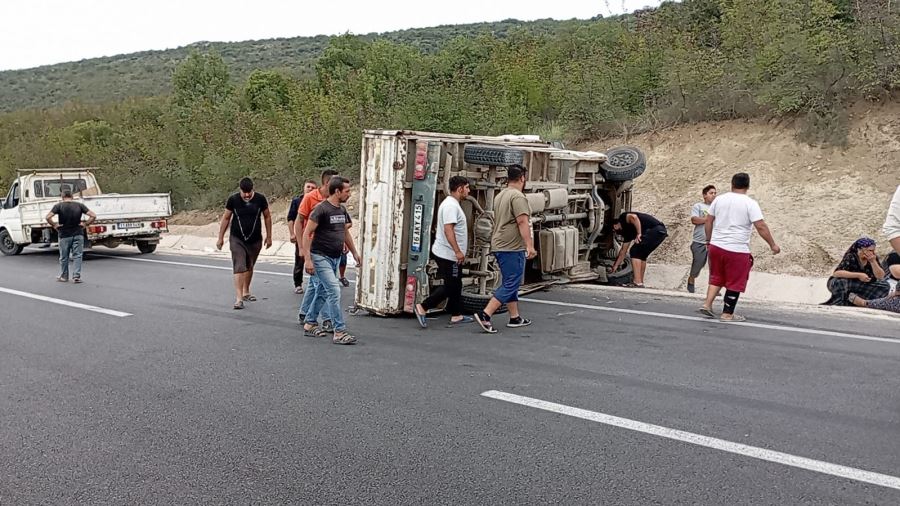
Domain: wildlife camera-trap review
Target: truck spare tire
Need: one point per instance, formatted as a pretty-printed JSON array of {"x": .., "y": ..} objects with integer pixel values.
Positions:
[
  {"x": 499, "y": 156},
  {"x": 623, "y": 163}
]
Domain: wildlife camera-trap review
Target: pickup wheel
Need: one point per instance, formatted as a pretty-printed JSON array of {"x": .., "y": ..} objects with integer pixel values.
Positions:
[
  {"x": 7, "y": 246},
  {"x": 623, "y": 164},
  {"x": 146, "y": 247},
  {"x": 498, "y": 156}
]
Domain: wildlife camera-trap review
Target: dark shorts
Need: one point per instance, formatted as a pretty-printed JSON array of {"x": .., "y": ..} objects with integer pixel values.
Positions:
[
  {"x": 649, "y": 242},
  {"x": 729, "y": 269},
  {"x": 512, "y": 272},
  {"x": 699, "y": 254},
  {"x": 243, "y": 255}
]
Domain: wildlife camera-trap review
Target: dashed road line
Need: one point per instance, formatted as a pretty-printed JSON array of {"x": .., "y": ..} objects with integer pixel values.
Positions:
[
  {"x": 818, "y": 466},
  {"x": 61, "y": 302}
]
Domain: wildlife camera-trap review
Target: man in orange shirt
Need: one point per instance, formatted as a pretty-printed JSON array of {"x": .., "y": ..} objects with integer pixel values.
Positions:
[{"x": 310, "y": 201}]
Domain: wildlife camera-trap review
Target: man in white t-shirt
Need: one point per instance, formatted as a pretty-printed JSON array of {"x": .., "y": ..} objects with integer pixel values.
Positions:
[
  {"x": 449, "y": 250},
  {"x": 892, "y": 222},
  {"x": 731, "y": 218}
]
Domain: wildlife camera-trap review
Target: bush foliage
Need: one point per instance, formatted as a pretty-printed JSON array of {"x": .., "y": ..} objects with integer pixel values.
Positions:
[{"x": 694, "y": 60}]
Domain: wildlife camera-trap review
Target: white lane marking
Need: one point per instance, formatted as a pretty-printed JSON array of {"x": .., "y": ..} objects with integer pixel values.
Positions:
[
  {"x": 61, "y": 302},
  {"x": 787, "y": 459},
  {"x": 784, "y": 328},
  {"x": 186, "y": 264}
]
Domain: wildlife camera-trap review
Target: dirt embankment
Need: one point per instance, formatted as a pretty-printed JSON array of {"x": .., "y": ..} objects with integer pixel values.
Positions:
[
  {"x": 206, "y": 223},
  {"x": 816, "y": 200}
]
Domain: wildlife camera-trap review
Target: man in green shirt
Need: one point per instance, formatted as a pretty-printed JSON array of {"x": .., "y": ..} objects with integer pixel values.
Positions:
[{"x": 512, "y": 245}]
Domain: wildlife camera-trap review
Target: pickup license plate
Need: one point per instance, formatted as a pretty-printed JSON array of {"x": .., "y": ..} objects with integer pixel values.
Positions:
[
  {"x": 127, "y": 226},
  {"x": 417, "y": 228}
]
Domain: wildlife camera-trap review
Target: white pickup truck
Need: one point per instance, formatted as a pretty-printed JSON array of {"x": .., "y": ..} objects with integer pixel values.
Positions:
[{"x": 121, "y": 219}]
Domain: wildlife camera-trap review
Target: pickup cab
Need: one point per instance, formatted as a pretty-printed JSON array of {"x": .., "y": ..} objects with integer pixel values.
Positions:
[
  {"x": 135, "y": 219},
  {"x": 574, "y": 198}
]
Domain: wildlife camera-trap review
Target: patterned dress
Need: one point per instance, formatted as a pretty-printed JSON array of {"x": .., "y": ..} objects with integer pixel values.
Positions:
[{"x": 841, "y": 288}]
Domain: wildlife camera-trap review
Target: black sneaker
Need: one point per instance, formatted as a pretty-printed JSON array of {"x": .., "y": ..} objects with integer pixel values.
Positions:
[
  {"x": 327, "y": 326},
  {"x": 345, "y": 282},
  {"x": 518, "y": 322},
  {"x": 485, "y": 322},
  {"x": 301, "y": 317}
]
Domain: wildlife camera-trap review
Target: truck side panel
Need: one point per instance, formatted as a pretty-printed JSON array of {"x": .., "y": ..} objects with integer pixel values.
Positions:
[
  {"x": 381, "y": 282},
  {"x": 109, "y": 208}
]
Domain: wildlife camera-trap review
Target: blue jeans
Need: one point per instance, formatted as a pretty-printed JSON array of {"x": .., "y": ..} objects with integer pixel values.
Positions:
[
  {"x": 328, "y": 293},
  {"x": 512, "y": 272},
  {"x": 70, "y": 246},
  {"x": 312, "y": 292}
]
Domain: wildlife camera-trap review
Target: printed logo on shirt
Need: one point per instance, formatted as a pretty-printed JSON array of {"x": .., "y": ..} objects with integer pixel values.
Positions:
[{"x": 338, "y": 219}]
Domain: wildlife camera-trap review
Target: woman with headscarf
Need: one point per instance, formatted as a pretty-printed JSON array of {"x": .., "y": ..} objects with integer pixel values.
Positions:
[{"x": 860, "y": 273}]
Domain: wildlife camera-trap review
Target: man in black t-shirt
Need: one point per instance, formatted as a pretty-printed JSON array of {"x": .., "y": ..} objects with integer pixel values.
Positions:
[
  {"x": 647, "y": 233},
  {"x": 328, "y": 225},
  {"x": 245, "y": 212},
  {"x": 71, "y": 233},
  {"x": 292, "y": 216}
]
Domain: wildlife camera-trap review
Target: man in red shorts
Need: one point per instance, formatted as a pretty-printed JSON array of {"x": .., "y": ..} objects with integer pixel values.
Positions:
[{"x": 728, "y": 226}]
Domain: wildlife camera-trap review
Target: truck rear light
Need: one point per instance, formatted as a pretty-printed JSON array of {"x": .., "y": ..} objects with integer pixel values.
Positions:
[
  {"x": 421, "y": 157},
  {"x": 159, "y": 224},
  {"x": 409, "y": 300},
  {"x": 96, "y": 229}
]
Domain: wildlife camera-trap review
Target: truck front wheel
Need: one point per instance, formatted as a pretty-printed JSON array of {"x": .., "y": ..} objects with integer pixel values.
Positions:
[
  {"x": 146, "y": 247},
  {"x": 7, "y": 246}
]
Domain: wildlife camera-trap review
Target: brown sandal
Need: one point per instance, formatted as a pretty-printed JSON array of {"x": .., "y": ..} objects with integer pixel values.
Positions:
[{"x": 344, "y": 338}]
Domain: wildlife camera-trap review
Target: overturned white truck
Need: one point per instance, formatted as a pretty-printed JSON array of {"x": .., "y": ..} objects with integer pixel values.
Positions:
[{"x": 404, "y": 177}]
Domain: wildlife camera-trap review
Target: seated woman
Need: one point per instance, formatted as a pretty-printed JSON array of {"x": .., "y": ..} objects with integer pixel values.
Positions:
[
  {"x": 889, "y": 303},
  {"x": 859, "y": 272}
]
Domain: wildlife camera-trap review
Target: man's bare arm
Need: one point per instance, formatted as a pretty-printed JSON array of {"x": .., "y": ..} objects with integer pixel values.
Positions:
[
  {"x": 708, "y": 227},
  {"x": 223, "y": 224},
  {"x": 92, "y": 217},
  {"x": 450, "y": 234},
  {"x": 766, "y": 234},
  {"x": 49, "y": 219},
  {"x": 697, "y": 220}
]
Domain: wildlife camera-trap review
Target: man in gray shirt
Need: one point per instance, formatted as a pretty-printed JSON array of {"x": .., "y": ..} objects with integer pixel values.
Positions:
[{"x": 699, "y": 250}]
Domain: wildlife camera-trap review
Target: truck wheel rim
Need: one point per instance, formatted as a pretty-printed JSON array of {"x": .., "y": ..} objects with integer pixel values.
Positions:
[{"x": 622, "y": 159}]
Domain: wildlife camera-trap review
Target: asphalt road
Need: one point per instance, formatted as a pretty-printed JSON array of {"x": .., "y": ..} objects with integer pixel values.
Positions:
[{"x": 187, "y": 401}]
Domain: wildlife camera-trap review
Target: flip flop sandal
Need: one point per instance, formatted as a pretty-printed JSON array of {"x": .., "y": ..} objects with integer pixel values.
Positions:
[
  {"x": 316, "y": 331},
  {"x": 344, "y": 338},
  {"x": 423, "y": 319},
  {"x": 464, "y": 320},
  {"x": 238, "y": 305},
  {"x": 706, "y": 312},
  {"x": 251, "y": 298},
  {"x": 735, "y": 318}
]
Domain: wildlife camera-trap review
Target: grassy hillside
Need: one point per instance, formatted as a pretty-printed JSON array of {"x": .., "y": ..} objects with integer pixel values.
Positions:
[
  {"x": 149, "y": 73},
  {"x": 802, "y": 61}
]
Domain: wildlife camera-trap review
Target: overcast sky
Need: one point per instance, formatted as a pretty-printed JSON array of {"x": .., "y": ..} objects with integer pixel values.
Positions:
[{"x": 43, "y": 32}]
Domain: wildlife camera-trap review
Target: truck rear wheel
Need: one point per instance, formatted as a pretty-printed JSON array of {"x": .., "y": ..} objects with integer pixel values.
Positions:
[
  {"x": 146, "y": 247},
  {"x": 7, "y": 246},
  {"x": 474, "y": 302}
]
